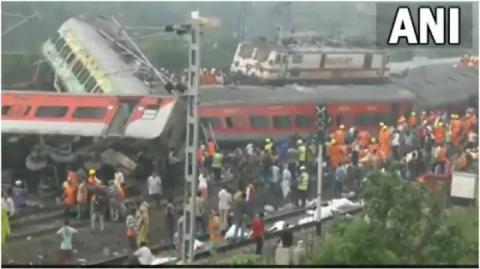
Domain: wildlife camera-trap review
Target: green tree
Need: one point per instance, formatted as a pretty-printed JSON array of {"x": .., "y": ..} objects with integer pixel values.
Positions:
[{"x": 403, "y": 223}]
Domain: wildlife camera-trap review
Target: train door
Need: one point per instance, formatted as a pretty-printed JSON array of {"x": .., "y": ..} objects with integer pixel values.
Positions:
[
  {"x": 394, "y": 113},
  {"x": 120, "y": 120}
]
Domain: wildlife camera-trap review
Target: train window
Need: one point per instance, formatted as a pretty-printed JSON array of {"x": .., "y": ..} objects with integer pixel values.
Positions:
[
  {"x": 297, "y": 58},
  {"x": 71, "y": 58},
  {"x": 278, "y": 59},
  {"x": 339, "y": 119},
  {"x": 77, "y": 67},
  {"x": 259, "y": 122},
  {"x": 97, "y": 89},
  {"x": 370, "y": 119},
  {"x": 89, "y": 112},
  {"x": 84, "y": 75},
  {"x": 65, "y": 51},
  {"x": 90, "y": 84},
  {"x": 235, "y": 122},
  {"x": 51, "y": 111},
  {"x": 59, "y": 44},
  {"x": 281, "y": 122},
  {"x": 303, "y": 121},
  {"x": 246, "y": 51},
  {"x": 5, "y": 110},
  {"x": 295, "y": 73},
  {"x": 213, "y": 121},
  {"x": 150, "y": 112}
]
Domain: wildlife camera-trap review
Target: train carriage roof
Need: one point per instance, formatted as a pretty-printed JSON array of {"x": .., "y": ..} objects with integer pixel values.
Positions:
[
  {"x": 120, "y": 73},
  {"x": 294, "y": 94},
  {"x": 441, "y": 84}
]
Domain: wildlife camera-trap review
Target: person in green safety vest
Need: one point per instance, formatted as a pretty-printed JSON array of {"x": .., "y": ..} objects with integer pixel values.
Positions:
[
  {"x": 5, "y": 232},
  {"x": 303, "y": 186},
  {"x": 217, "y": 166},
  {"x": 302, "y": 152},
  {"x": 268, "y": 146}
]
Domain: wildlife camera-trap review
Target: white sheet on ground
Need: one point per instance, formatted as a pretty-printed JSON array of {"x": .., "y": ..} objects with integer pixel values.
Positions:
[
  {"x": 162, "y": 260},
  {"x": 231, "y": 232}
]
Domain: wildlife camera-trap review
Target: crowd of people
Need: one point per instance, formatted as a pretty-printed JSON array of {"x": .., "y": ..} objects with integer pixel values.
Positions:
[{"x": 418, "y": 143}]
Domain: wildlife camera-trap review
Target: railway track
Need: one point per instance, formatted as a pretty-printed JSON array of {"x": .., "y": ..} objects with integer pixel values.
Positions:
[{"x": 290, "y": 217}]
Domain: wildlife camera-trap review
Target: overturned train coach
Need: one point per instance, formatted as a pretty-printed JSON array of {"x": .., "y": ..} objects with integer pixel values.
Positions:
[{"x": 68, "y": 128}]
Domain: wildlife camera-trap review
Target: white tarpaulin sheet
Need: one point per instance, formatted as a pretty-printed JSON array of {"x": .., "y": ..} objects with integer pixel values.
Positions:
[{"x": 463, "y": 185}]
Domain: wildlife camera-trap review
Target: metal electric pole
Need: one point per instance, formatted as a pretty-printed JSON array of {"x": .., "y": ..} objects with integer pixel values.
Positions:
[
  {"x": 191, "y": 146},
  {"x": 189, "y": 229},
  {"x": 323, "y": 119}
]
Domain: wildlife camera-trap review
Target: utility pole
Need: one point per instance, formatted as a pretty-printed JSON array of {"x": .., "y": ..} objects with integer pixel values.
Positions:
[
  {"x": 191, "y": 146},
  {"x": 189, "y": 229},
  {"x": 323, "y": 120}
]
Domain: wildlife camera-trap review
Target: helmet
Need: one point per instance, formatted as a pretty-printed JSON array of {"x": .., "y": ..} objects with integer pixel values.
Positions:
[
  {"x": 333, "y": 141},
  {"x": 18, "y": 183},
  {"x": 384, "y": 127},
  {"x": 413, "y": 113},
  {"x": 342, "y": 126},
  {"x": 373, "y": 140},
  {"x": 91, "y": 172},
  {"x": 299, "y": 141},
  {"x": 382, "y": 124},
  {"x": 440, "y": 124},
  {"x": 202, "y": 146},
  {"x": 267, "y": 140},
  {"x": 424, "y": 112},
  {"x": 302, "y": 167}
]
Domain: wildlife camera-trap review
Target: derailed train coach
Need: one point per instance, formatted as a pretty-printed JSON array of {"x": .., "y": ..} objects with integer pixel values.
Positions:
[{"x": 39, "y": 128}]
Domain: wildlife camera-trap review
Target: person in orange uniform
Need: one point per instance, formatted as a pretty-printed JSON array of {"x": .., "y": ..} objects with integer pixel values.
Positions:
[
  {"x": 336, "y": 154},
  {"x": 439, "y": 133},
  {"x": 69, "y": 198},
  {"x": 412, "y": 120},
  {"x": 211, "y": 150},
  {"x": 470, "y": 120},
  {"x": 384, "y": 141},
  {"x": 455, "y": 130},
  {"x": 363, "y": 138},
  {"x": 374, "y": 147},
  {"x": 73, "y": 178},
  {"x": 339, "y": 135},
  {"x": 93, "y": 181},
  {"x": 440, "y": 158}
]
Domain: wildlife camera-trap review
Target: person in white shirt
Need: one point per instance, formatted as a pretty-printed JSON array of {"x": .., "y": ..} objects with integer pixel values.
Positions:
[
  {"x": 118, "y": 177},
  {"x": 144, "y": 255},
  {"x": 203, "y": 185},
  {"x": 224, "y": 205},
  {"x": 154, "y": 183},
  {"x": 286, "y": 181},
  {"x": 7, "y": 203},
  {"x": 396, "y": 145}
]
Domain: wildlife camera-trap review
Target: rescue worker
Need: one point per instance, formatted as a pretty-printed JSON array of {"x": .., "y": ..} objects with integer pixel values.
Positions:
[
  {"x": 401, "y": 123},
  {"x": 455, "y": 130},
  {"x": 302, "y": 152},
  {"x": 440, "y": 159},
  {"x": 384, "y": 141},
  {"x": 69, "y": 199},
  {"x": 339, "y": 135},
  {"x": 412, "y": 120},
  {"x": 303, "y": 186},
  {"x": 82, "y": 200},
  {"x": 439, "y": 133},
  {"x": 363, "y": 138},
  {"x": 143, "y": 222},
  {"x": 217, "y": 166},
  {"x": 211, "y": 150},
  {"x": 92, "y": 178},
  {"x": 336, "y": 153},
  {"x": 268, "y": 146}
]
